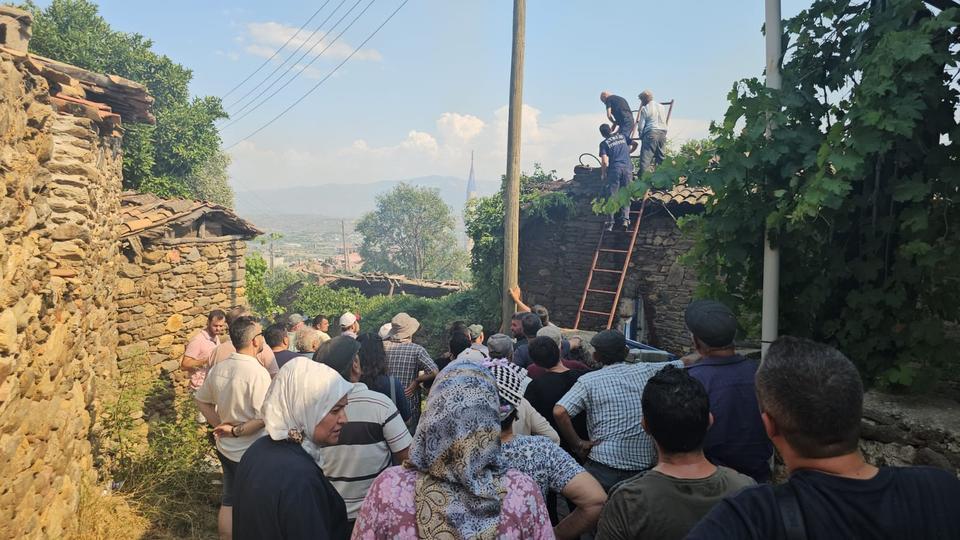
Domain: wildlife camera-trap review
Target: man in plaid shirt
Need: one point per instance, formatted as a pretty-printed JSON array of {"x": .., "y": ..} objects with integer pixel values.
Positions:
[
  {"x": 406, "y": 359},
  {"x": 618, "y": 448}
]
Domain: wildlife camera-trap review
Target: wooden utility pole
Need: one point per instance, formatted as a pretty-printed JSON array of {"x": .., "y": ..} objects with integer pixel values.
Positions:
[
  {"x": 343, "y": 237},
  {"x": 511, "y": 192}
]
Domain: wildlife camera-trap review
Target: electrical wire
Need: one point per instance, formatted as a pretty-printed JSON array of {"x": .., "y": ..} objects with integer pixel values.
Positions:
[
  {"x": 275, "y": 53},
  {"x": 320, "y": 83},
  {"x": 297, "y": 74},
  {"x": 287, "y": 59}
]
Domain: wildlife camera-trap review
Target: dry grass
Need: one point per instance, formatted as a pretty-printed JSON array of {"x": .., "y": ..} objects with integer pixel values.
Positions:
[{"x": 107, "y": 516}]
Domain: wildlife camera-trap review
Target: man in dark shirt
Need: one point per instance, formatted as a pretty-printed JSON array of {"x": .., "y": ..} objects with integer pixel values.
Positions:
[
  {"x": 616, "y": 168},
  {"x": 736, "y": 439},
  {"x": 279, "y": 342},
  {"x": 555, "y": 380},
  {"x": 529, "y": 325},
  {"x": 618, "y": 112},
  {"x": 812, "y": 402}
]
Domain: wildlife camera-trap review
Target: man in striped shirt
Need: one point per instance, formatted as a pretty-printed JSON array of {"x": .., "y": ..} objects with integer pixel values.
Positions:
[{"x": 374, "y": 436}]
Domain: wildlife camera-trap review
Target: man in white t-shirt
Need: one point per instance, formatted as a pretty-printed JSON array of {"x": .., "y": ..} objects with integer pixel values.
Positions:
[
  {"x": 230, "y": 399},
  {"x": 374, "y": 437}
]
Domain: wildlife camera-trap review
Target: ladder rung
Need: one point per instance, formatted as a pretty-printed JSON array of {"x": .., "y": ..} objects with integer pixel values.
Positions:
[
  {"x": 599, "y": 291},
  {"x": 607, "y": 270},
  {"x": 594, "y": 312},
  {"x": 605, "y": 250}
]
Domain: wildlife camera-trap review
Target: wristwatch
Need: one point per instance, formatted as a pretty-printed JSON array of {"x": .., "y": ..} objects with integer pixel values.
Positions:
[{"x": 233, "y": 430}]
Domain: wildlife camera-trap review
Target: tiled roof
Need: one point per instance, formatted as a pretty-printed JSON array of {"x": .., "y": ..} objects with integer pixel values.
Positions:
[
  {"x": 76, "y": 91},
  {"x": 683, "y": 194},
  {"x": 586, "y": 181},
  {"x": 145, "y": 214}
]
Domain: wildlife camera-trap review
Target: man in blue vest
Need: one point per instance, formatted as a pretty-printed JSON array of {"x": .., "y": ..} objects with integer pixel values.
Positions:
[
  {"x": 736, "y": 439},
  {"x": 616, "y": 167}
]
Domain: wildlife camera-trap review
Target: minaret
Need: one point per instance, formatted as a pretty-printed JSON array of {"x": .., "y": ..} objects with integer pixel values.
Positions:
[{"x": 472, "y": 193}]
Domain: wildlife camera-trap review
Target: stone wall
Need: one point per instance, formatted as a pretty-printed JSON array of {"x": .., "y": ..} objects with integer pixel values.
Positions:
[
  {"x": 59, "y": 204},
  {"x": 164, "y": 295},
  {"x": 555, "y": 259},
  {"x": 911, "y": 430}
]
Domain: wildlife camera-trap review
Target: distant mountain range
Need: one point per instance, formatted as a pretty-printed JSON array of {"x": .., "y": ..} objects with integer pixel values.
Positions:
[{"x": 347, "y": 201}]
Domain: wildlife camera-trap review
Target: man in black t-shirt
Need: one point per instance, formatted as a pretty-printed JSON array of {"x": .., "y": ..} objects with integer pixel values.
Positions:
[
  {"x": 811, "y": 399},
  {"x": 618, "y": 112},
  {"x": 546, "y": 390}
]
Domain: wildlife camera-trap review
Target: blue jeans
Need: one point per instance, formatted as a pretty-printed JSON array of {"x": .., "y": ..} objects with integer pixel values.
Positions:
[
  {"x": 651, "y": 151},
  {"x": 618, "y": 177}
]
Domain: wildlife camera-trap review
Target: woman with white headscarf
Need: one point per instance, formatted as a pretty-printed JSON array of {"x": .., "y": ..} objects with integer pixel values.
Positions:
[{"x": 280, "y": 490}]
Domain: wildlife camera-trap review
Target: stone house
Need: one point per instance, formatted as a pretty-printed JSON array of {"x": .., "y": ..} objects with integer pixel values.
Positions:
[
  {"x": 182, "y": 259},
  {"x": 556, "y": 255},
  {"x": 60, "y": 184}
]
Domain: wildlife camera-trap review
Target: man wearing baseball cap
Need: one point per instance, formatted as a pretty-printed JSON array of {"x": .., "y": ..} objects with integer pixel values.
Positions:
[
  {"x": 736, "y": 439},
  {"x": 618, "y": 448},
  {"x": 349, "y": 325}
]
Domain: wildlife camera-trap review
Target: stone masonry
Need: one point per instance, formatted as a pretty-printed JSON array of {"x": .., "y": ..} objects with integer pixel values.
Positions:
[
  {"x": 555, "y": 259},
  {"x": 60, "y": 182},
  {"x": 164, "y": 296},
  {"x": 58, "y": 259}
]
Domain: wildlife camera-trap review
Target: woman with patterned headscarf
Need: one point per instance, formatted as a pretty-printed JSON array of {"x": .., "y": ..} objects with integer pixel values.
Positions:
[
  {"x": 281, "y": 491},
  {"x": 455, "y": 484}
]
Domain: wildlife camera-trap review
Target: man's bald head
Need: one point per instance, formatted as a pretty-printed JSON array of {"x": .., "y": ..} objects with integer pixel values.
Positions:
[{"x": 604, "y": 95}]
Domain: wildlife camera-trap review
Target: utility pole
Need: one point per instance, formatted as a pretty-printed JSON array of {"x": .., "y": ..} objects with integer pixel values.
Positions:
[
  {"x": 769, "y": 323},
  {"x": 511, "y": 192},
  {"x": 343, "y": 237}
]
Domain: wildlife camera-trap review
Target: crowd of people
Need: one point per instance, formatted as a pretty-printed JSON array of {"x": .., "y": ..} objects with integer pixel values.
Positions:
[{"x": 535, "y": 435}]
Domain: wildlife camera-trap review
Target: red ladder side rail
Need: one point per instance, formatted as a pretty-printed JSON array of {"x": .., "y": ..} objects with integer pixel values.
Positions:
[
  {"x": 593, "y": 265},
  {"x": 626, "y": 261}
]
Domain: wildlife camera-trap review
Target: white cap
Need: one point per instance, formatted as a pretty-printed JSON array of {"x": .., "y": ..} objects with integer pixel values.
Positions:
[
  {"x": 385, "y": 330},
  {"x": 347, "y": 319}
]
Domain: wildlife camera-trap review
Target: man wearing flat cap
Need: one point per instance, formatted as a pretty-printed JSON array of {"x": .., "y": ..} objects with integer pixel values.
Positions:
[{"x": 736, "y": 439}]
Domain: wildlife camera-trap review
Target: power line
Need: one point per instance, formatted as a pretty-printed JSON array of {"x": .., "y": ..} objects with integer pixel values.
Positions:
[
  {"x": 287, "y": 59},
  {"x": 275, "y": 53},
  {"x": 334, "y": 70},
  {"x": 297, "y": 74}
]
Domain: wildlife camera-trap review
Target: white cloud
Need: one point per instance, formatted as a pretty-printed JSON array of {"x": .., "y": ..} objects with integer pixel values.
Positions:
[
  {"x": 459, "y": 126},
  {"x": 556, "y": 142},
  {"x": 266, "y": 37}
]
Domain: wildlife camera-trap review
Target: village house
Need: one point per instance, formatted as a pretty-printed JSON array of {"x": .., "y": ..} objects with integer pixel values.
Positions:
[{"x": 556, "y": 255}]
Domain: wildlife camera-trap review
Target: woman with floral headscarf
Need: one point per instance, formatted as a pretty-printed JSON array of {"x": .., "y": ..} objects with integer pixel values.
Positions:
[
  {"x": 281, "y": 491},
  {"x": 455, "y": 484}
]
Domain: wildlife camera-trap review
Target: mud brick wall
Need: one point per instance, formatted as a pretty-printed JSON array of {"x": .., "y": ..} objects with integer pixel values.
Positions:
[
  {"x": 555, "y": 259},
  {"x": 164, "y": 295},
  {"x": 59, "y": 199}
]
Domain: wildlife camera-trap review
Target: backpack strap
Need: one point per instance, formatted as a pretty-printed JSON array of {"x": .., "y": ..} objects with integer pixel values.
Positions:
[{"x": 790, "y": 512}]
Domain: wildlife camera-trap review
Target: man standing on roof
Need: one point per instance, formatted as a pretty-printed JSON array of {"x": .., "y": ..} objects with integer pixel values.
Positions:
[
  {"x": 616, "y": 168},
  {"x": 618, "y": 112},
  {"x": 652, "y": 132}
]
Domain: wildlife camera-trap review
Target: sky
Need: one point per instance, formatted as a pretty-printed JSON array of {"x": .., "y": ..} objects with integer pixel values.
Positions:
[{"x": 432, "y": 85}]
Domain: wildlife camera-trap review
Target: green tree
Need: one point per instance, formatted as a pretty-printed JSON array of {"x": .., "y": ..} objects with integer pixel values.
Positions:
[
  {"x": 852, "y": 171},
  {"x": 484, "y": 221},
  {"x": 178, "y": 157},
  {"x": 411, "y": 232}
]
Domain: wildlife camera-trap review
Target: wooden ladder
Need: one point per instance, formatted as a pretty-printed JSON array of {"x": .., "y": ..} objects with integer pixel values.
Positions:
[{"x": 636, "y": 216}]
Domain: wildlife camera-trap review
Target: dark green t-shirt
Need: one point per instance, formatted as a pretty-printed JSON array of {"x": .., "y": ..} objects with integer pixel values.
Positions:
[{"x": 654, "y": 505}]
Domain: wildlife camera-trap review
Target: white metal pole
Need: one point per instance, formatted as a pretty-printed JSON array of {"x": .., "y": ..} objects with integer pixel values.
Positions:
[{"x": 771, "y": 255}]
